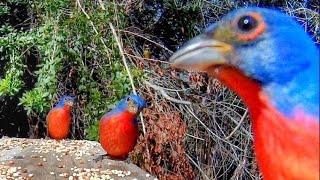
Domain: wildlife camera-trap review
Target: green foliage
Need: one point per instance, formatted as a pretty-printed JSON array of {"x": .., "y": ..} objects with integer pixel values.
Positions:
[
  {"x": 120, "y": 82},
  {"x": 13, "y": 46},
  {"x": 49, "y": 47},
  {"x": 92, "y": 132},
  {"x": 11, "y": 83},
  {"x": 35, "y": 101},
  {"x": 3, "y": 9},
  {"x": 185, "y": 6}
]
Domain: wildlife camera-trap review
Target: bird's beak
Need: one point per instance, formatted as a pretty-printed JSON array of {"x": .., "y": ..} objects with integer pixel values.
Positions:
[
  {"x": 201, "y": 53},
  {"x": 70, "y": 103}
]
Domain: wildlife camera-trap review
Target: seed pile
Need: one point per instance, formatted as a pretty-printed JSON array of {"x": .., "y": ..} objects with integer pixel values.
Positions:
[
  {"x": 63, "y": 147},
  {"x": 37, "y": 156},
  {"x": 10, "y": 172},
  {"x": 94, "y": 173}
]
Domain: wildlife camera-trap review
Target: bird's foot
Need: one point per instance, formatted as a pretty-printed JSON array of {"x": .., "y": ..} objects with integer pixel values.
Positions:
[
  {"x": 100, "y": 158},
  {"x": 127, "y": 160}
]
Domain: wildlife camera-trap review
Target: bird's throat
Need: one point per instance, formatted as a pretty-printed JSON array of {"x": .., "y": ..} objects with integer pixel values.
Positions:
[
  {"x": 274, "y": 134},
  {"x": 66, "y": 108},
  {"x": 248, "y": 89}
]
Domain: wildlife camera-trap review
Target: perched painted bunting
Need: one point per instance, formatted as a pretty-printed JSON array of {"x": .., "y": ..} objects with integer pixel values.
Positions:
[
  {"x": 273, "y": 65},
  {"x": 58, "y": 119},
  {"x": 118, "y": 129}
]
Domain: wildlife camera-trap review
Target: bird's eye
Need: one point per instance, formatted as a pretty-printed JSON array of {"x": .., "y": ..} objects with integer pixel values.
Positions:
[
  {"x": 128, "y": 98},
  {"x": 247, "y": 23},
  {"x": 249, "y": 26}
]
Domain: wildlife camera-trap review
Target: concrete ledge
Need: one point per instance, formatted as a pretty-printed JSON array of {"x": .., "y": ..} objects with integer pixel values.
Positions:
[{"x": 40, "y": 159}]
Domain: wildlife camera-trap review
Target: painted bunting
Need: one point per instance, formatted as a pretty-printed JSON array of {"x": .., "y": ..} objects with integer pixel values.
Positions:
[
  {"x": 273, "y": 65},
  {"x": 58, "y": 119},
  {"x": 118, "y": 129}
]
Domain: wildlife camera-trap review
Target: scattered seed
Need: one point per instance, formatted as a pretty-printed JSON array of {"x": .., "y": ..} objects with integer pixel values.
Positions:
[
  {"x": 24, "y": 170},
  {"x": 40, "y": 164},
  {"x": 34, "y": 156},
  {"x": 65, "y": 175},
  {"x": 11, "y": 162},
  {"x": 52, "y": 173},
  {"x": 147, "y": 175},
  {"x": 81, "y": 161}
]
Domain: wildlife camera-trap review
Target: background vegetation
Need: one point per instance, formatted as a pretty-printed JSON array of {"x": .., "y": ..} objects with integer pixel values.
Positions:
[{"x": 193, "y": 127}]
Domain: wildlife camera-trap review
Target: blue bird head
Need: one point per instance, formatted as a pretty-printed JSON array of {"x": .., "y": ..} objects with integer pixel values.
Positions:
[
  {"x": 267, "y": 46},
  {"x": 65, "y": 101},
  {"x": 133, "y": 103}
]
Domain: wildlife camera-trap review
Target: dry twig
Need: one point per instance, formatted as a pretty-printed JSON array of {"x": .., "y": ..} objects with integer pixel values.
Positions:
[
  {"x": 165, "y": 95},
  {"x": 128, "y": 70}
]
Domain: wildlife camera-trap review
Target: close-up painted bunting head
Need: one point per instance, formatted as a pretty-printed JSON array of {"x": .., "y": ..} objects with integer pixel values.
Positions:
[
  {"x": 266, "y": 45},
  {"x": 65, "y": 101},
  {"x": 273, "y": 65}
]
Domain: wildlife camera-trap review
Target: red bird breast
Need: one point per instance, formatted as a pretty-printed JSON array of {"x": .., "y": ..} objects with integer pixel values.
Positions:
[
  {"x": 59, "y": 123},
  {"x": 279, "y": 143},
  {"x": 118, "y": 134}
]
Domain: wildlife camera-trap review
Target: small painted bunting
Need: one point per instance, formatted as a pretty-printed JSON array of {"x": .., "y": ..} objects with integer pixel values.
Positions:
[
  {"x": 118, "y": 129},
  {"x": 58, "y": 119}
]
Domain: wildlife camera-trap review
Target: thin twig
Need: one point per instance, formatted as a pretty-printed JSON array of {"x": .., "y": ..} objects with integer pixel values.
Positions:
[
  {"x": 210, "y": 131},
  {"x": 129, "y": 32},
  {"x": 101, "y": 5},
  {"x": 195, "y": 137},
  {"x": 93, "y": 26},
  {"x": 199, "y": 168},
  {"x": 165, "y": 95},
  {"x": 237, "y": 127},
  {"x": 138, "y": 57},
  {"x": 128, "y": 70}
]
